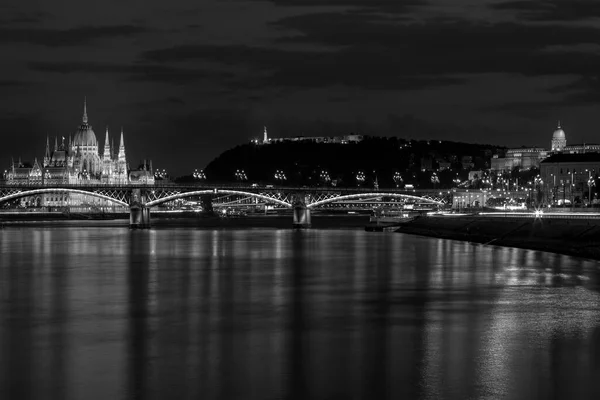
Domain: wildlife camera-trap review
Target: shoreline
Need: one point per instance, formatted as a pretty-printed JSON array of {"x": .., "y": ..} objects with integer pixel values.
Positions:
[{"x": 576, "y": 238}]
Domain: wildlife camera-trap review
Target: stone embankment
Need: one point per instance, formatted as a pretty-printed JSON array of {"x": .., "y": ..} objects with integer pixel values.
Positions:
[{"x": 575, "y": 237}]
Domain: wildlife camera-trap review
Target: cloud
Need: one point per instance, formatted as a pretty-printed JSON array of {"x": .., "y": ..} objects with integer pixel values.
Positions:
[
  {"x": 305, "y": 69},
  {"x": 583, "y": 90},
  {"x": 67, "y": 37},
  {"x": 13, "y": 83},
  {"x": 131, "y": 72},
  {"x": 374, "y": 53},
  {"x": 35, "y": 17},
  {"x": 389, "y": 6},
  {"x": 552, "y": 10}
]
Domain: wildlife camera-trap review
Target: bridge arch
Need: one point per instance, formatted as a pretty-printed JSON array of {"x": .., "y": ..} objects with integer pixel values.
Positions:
[
  {"x": 376, "y": 194},
  {"x": 33, "y": 192},
  {"x": 216, "y": 191}
]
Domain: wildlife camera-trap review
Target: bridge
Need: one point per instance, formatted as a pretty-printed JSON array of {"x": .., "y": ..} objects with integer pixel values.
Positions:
[{"x": 140, "y": 199}]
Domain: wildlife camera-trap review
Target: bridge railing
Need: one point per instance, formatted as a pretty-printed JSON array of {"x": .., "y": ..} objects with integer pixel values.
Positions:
[{"x": 210, "y": 186}]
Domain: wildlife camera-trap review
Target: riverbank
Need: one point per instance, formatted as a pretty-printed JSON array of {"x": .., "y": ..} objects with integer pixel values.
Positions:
[{"x": 574, "y": 237}]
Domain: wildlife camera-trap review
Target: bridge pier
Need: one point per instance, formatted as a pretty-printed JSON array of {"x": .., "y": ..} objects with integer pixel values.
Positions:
[
  {"x": 301, "y": 212},
  {"x": 139, "y": 218},
  {"x": 139, "y": 214}
]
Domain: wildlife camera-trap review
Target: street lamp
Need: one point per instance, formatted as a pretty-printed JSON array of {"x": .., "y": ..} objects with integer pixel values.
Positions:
[
  {"x": 324, "y": 177},
  {"x": 591, "y": 183},
  {"x": 240, "y": 175},
  {"x": 434, "y": 179},
  {"x": 537, "y": 182},
  {"x": 198, "y": 175},
  {"x": 397, "y": 179},
  {"x": 573, "y": 173},
  {"x": 456, "y": 180},
  {"x": 553, "y": 188},
  {"x": 160, "y": 174},
  {"x": 360, "y": 178},
  {"x": 280, "y": 176}
]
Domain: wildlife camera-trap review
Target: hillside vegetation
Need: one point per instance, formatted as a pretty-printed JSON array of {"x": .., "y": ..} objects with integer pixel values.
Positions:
[{"x": 375, "y": 159}]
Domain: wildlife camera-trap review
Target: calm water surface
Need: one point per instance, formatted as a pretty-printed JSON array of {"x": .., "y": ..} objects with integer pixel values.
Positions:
[{"x": 109, "y": 313}]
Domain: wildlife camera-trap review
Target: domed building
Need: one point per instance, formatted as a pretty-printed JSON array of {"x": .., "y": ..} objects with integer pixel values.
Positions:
[
  {"x": 85, "y": 149},
  {"x": 77, "y": 162},
  {"x": 559, "y": 139},
  {"x": 531, "y": 157}
]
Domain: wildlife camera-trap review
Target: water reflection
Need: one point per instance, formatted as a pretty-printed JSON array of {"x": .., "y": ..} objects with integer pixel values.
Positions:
[{"x": 182, "y": 313}]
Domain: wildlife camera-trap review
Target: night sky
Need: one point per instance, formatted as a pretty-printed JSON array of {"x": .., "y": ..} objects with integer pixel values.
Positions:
[{"x": 188, "y": 79}]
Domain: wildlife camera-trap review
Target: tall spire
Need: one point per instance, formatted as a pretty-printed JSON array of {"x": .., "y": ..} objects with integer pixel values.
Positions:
[
  {"x": 85, "y": 118},
  {"x": 55, "y": 143},
  {"x": 122, "y": 160},
  {"x": 47, "y": 155},
  {"x": 121, "y": 155},
  {"x": 106, "y": 154},
  {"x": 265, "y": 136}
]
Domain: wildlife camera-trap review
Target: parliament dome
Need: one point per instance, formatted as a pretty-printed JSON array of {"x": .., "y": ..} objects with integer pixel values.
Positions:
[{"x": 85, "y": 136}]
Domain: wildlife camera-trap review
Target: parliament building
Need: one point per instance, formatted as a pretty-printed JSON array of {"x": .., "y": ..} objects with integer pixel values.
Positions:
[{"x": 77, "y": 161}]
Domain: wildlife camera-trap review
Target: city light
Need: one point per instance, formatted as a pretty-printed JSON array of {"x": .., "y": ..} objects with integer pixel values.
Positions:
[
  {"x": 324, "y": 177},
  {"x": 161, "y": 174},
  {"x": 240, "y": 175},
  {"x": 360, "y": 178},
  {"x": 280, "y": 176},
  {"x": 435, "y": 179},
  {"x": 398, "y": 179},
  {"x": 198, "y": 175}
]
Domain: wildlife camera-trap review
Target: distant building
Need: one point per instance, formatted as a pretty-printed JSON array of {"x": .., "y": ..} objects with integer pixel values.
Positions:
[
  {"x": 316, "y": 139},
  {"x": 531, "y": 157},
  {"x": 443, "y": 165},
  {"x": 77, "y": 161},
  {"x": 568, "y": 175},
  {"x": 467, "y": 162},
  {"x": 476, "y": 175}
]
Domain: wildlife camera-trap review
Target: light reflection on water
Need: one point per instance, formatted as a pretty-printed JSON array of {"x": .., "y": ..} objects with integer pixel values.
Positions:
[{"x": 266, "y": 313}]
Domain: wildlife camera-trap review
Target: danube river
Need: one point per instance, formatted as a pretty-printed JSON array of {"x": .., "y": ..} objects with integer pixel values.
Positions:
[{"x": 102, "y": 312}]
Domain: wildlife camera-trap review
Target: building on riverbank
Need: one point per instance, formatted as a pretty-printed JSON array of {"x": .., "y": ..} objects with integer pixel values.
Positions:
[
  {"x": 570, "y": 178},
  {"x": 531, "y": 157},
  {"x": 76, "y": 161}
]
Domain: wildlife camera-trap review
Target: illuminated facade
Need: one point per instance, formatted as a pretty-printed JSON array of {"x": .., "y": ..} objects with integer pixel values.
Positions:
[
  {"x": 316, "y": 139},
  {"x": 570, "y": 176},
  {"x": 531, "y": 157},
  {"x": 79, "y": 161}
]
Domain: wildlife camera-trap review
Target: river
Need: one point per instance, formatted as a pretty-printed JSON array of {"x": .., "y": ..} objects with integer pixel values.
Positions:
[{"x": 102, "y": 312}]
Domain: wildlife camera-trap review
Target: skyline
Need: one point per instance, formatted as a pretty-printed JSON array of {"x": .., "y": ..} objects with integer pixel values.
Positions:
[{"x": 198, "y": 79}]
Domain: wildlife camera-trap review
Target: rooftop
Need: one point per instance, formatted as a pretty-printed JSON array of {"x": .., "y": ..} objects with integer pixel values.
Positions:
[{"x": 564, "y": 158}]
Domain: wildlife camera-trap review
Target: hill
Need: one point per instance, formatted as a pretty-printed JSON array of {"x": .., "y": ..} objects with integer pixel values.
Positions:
[{"x": 375, "y": 159}]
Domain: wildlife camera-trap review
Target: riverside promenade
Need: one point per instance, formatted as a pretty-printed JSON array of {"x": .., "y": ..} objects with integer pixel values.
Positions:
[{"x": 576, "y": 235}]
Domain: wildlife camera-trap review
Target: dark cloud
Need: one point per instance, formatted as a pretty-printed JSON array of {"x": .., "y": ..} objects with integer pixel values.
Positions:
[
  {"x": 376, "y": 54},
  {"x": 584, "y": 90},
  {"x": 538, "y": 109},
  {"x": 131, "y": 72},
  {"x": 552, "y": 10},
  {"x": 306, "y": 69},
  {"x": 67, "y": 37},
  {"x": 13, "y": 83},
  {"x": 389, "y": 6},
  {"x": 26, "y": 18}
]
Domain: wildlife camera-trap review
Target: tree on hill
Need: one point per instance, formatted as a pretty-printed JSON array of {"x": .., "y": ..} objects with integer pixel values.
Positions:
[{"x": 375, "y": 159}]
